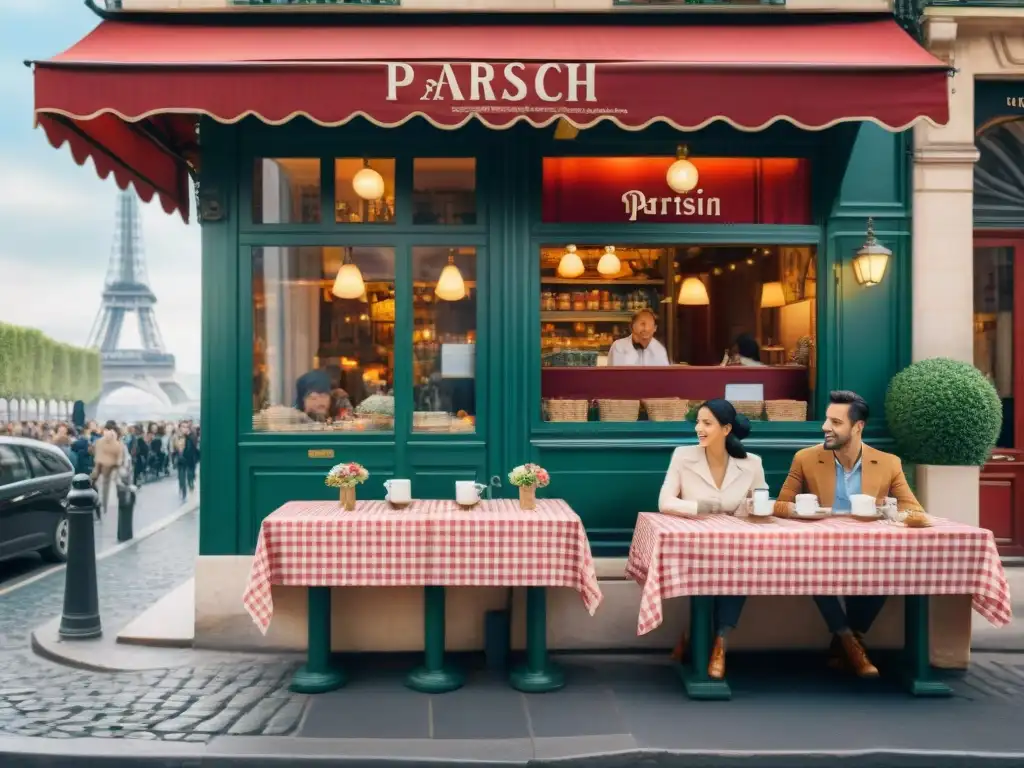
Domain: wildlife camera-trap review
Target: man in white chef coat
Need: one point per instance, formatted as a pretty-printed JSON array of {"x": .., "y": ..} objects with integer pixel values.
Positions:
[{"x": 640, "y": 347}]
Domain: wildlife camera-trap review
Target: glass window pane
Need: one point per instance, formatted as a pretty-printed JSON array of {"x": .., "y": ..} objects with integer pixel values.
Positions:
[
  {"x": 993, "y": 327},
  {"x": 286, "y": 190},
  {"x": 364, "y": 190},
  {"x": 444, "y": 190},
  {"x": 444, "y": 339},
  {"x": 324, "y": 335},
  {"x": 607, "y": 309}
]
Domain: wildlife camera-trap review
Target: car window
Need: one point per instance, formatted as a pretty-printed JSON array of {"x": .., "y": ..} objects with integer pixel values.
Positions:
[
  {"x": 12, "y": 467},
  {"x": 44, "y": 463}
]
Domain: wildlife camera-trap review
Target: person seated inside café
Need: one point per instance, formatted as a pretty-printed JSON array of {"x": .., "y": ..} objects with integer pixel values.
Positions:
[
  {"x": 745, "y": 351},
  {"x": 313, "y": 395},
  {"x": 716, "y": 476},
  {"x": 640, "y": 348}
]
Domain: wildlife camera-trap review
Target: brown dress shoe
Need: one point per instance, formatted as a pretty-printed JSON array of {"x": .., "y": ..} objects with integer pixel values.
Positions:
[
  {"x": 682, "y": 649},
  {"x": 716, "y": 666},
  {"x": 854, "y": 657}
]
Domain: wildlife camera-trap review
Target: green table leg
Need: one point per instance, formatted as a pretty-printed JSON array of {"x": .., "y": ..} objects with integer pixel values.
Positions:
[
  {"x": 433, "y": 676},
  {"x": 318, "y": 674},
  {"x": 538, "y": 675},
  {"x": 916, "y": 650},
  {"x": 695, "y": 675}
]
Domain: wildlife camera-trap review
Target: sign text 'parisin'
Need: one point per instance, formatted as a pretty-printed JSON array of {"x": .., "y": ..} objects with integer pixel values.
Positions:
[
  {"x": 481, "y": 81},
  {"x": 636, "y": 203}
]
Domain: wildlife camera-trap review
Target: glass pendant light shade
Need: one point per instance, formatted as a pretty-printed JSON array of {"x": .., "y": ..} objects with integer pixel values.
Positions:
[
  {"x": 349, "y": 282},
  {"x": 571, "y": 264},
  {"x": 682, "y": 175},
  {"x": 693, "y": 293},
  {"x": 450, "y": 285},
  {"x": 367, "y": 183},
  {"x": 609, "y": 263}
]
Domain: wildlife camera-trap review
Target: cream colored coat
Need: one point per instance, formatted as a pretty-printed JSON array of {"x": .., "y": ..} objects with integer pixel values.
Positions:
[{"x": 688, "y": 482}]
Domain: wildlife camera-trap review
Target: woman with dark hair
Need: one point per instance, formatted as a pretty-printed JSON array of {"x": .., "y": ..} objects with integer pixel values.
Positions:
[{"x": 716, "y": 476}]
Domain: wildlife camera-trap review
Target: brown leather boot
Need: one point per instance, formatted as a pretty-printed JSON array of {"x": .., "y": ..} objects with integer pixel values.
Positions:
[
  {"x": 716, "y": 666},
  {"x": 682, "y": 649},
  {"x": 854, "y": 657}
]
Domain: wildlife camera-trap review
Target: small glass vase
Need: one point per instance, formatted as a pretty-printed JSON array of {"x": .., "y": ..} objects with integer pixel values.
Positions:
[
  {"x": 527, "y": 497},
  {"x": 348, "y": 498}
]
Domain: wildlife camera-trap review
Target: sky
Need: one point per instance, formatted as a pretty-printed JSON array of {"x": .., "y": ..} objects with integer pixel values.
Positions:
[{"x": 57, "y": 218}]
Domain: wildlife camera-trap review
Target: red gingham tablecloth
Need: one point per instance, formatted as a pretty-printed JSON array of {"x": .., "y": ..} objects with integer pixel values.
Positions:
[
  {"x": 724, "y": 555},
  {"x": 429, "y": 543}
]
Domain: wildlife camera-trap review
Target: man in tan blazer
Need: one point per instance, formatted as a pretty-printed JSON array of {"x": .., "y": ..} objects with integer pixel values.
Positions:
[{"x": 835, "y": 471}]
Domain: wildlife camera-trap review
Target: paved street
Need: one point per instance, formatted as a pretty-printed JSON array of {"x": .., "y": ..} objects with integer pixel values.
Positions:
[{"x": 156, "y": 501}]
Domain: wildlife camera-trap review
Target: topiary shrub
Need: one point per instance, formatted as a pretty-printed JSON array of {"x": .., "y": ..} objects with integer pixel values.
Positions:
[{"x": 943, "y": 411}]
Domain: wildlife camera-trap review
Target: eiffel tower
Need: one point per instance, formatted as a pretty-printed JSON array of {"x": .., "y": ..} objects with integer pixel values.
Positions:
[{"x": 126, "y": 293}]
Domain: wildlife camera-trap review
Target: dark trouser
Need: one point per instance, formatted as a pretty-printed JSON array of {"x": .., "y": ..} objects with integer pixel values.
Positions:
[
  {"x": 727, "y": 611},
  {"x": 859, "y": 615},
  {"x": 191, "y": 471},
  {"x": 182, "y": 480}
]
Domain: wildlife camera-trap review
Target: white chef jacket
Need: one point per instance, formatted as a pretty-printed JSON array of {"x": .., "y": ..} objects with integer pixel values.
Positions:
[{"x": 622, "y": 352}]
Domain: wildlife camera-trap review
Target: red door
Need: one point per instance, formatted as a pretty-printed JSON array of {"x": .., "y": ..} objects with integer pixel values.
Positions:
[{"x": 998, "y": 343}]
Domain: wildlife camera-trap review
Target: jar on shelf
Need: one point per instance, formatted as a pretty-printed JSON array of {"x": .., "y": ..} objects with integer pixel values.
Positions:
[
  {"x": 564, "y": 302},
  {"x": 606, "y": 301},
  {"x": 579, "y": 302}
]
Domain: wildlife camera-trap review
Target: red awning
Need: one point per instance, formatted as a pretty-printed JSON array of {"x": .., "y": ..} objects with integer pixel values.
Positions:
[{"x": 128, "y": 94}]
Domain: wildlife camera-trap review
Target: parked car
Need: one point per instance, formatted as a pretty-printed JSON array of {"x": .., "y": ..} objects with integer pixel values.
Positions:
[{"x": 35, "y": 479}]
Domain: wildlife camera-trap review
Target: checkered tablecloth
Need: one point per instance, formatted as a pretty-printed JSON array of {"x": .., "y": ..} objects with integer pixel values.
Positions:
[
  {"x": 429, "y": 543},
  {"x": 724, "y": 555}
]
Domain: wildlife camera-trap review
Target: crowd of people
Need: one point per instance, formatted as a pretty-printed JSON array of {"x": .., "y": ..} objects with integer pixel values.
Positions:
[{"x": 128, "y": 454}]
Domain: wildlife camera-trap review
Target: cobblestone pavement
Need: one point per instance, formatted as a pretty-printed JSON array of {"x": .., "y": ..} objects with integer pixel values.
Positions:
[{"x": 39, "y": 698}]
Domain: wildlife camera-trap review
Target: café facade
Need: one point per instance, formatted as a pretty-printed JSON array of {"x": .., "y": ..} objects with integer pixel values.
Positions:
[{"x": 439, "y": 228}]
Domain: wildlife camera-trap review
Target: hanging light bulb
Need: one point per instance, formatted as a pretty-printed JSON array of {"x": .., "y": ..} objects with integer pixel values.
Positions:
[
  {"x": 349, "y": 282},
  {"x": 367, "y": 183},
  {"x": 682, "y": 175},
  {"x": 450, "y": 285},
  {"x": 571, "y": 264},
  {"x": 609, "y": 263}
]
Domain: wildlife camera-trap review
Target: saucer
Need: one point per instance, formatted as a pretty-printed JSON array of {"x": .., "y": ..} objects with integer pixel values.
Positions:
[{"x": 866, "y": 518}]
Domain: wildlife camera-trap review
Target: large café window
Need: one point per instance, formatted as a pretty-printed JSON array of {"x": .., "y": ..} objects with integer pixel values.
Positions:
[
  {"x": 324, "y": 316},
  {"x": 732, "y": 320}
]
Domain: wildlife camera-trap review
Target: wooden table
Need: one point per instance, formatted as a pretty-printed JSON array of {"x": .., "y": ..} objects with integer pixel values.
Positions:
[
  {"x": 724, "y": 555},
  {"x": 433, "y": 544}
]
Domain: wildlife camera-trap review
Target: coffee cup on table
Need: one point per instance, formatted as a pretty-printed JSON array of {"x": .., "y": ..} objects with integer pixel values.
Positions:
[
  {"x": 862, "y": 505},
  {"x": 806, "y": 504},
  {"x": 467, "y": 492},
  {"x": 763, "y": 505},
  {"x": 398, "y": 491}
]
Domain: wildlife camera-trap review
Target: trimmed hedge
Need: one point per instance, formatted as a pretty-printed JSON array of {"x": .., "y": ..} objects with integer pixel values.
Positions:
[
  {"x": 943, "y": 411},
  {"x": 34, "y": 366}
]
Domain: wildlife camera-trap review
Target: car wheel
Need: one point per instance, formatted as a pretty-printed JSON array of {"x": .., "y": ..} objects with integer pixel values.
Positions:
[{"x": 57, "y": 552}]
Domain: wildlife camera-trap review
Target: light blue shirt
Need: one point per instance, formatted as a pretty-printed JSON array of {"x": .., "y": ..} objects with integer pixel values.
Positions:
[{"x": 847, "y": 484}]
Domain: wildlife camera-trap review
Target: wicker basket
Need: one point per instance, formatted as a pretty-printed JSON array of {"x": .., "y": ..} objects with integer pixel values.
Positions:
[
  {"x": 752, "y": 409},
  {"x": 568, "y": 410},
  {"x": 619, "y": 410},
  {"x": 666, "y": 408},
  {"x": 786, "y": 410}
]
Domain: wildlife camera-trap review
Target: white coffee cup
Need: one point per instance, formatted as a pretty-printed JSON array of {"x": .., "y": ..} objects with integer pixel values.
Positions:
[
  {"x": 763, "y": 505},
  {"x": 467, "y": 492},
  {"x": 862, "y": 505},
  {"x": 398, "y": 491},
  {"x": 806, "y": 504}
]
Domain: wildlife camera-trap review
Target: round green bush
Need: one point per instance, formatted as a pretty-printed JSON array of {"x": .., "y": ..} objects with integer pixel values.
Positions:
[{"x": 943, "y": 411}]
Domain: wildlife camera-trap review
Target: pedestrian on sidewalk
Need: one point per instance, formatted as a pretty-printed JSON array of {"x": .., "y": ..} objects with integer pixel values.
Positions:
[
  {"x": 188, "y": 457},
  {"x": 108, "y": 454}
]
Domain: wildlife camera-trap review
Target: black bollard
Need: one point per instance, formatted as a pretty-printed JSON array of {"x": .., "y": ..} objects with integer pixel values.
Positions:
[
  {"x": 125, "y": 513},
  {"x": 81, "y": 617}
]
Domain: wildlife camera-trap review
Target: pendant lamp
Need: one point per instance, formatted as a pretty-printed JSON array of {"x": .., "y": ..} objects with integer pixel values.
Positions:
[
  {"x": 367, "y": 183},
  {"x": 571, "y": 264},
  {"x": 450, "y": 285},
  {"x": 682, "y": 175},
  {"x": 693, "y": 293},
  {"x": 609, "y": 264},
  {"x": 349, "y": 282}
]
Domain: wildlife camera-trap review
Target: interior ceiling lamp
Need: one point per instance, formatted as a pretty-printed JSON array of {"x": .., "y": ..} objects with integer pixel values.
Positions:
[
  {"x": 772, "y": 295},
  {"x": 349, "y": 282},
  {"x": 609, "y": 265},
  {"x": 682, "y": 175},
  {"x": 871, "y": 260},
  {"x": 693, "y": 293},
  {"x": 450, "y": 285},
  {"x": 571, "y": 265},
  {"x": 367, "y": 183}
]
